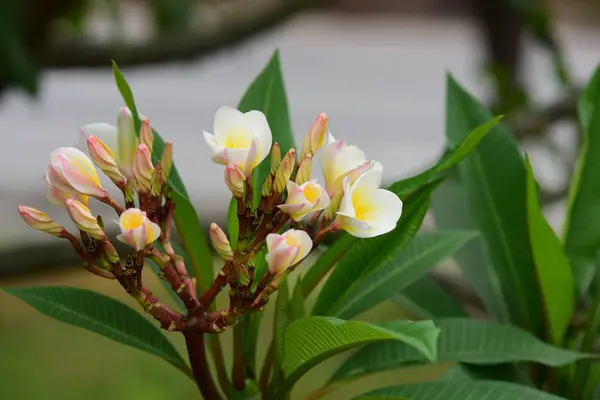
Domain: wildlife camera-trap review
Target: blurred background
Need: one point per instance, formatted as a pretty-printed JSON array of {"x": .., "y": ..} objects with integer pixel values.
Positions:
[{"x": 376, "y": 67}]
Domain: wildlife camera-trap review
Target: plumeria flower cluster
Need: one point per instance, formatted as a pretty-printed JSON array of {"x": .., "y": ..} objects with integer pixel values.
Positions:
[
  {"x": 292, "y": 214},
  {"x": 295, "y": 212}
]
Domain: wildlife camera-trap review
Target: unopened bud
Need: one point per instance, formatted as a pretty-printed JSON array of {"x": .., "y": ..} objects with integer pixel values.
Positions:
[
  {"x": 235, "y": 180},
  {"x": 84, "y": 220},
  {"x": 156, "y": 185},
  {"x": 130, "y": 192},
  {"x": 285, "y": 171},
  {"x": 304, "y": 170},
  {"x": 166, "y": 160},
  {"x": 267, "y": 188},
  {"x": 315, "y": 136},
  {"x": 220, "y": 242},
  {"x": 275, "y": 158},
  {"x": 39, "y": 220},
  {"x": 143, "y": 168},
  {"x": 110, "y": 252},
  {"x": 146, "y": 136},
  {"x": 104, "y": 159}
]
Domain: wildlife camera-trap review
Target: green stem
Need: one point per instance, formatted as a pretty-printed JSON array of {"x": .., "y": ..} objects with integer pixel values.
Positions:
[
  {"x": 238, "y": 358},
  {"x": 589, "y": 341},
  {"x": 265, "y": 372}
]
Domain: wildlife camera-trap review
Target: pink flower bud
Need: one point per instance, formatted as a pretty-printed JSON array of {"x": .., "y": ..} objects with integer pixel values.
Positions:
[
  {"x": 84, "y": 220},
  {"x": 287, "y": 249},
  {"x": 58, "y": 197},
  {"x": 166, "y": 160},
  {"x": 72, "y": 171},
  {"x": 136, "y": 229},
  {"x": 146, "y": 136},
  {"x": 315, "y": 137},
  {"x": 143, "y": 168},
  {"x": 285, "y": 171},
  {"x": 39, "y": 220},
  {"x": 220, "y": 242},
  {"x": 104, "y": 159},
  {"x": 235, "y": 180}
]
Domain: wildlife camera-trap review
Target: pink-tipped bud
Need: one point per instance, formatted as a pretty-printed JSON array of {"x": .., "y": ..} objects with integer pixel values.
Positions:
[
  {"x": 156, "y": 186},
  {"x": 285, "y": 171},
  {"x": 39, "y": 220},
  {"x": 166, "y": 160},
  {"x": 267, "y": 188},
  {"x": 220, "y": 242},
  {"x": 71, "y": 170},
  {"x": 315, "y": 136},
  {"x": 275, "y": 158},
  {"x": 104, "y": 159},
  {"x": 304, "y": 170},
  {"x": 84, "y": 220},
  {"x": 146, "y": 136},
  {"x": 143, "y": 168},
  {"x": 235, "y": 180}
]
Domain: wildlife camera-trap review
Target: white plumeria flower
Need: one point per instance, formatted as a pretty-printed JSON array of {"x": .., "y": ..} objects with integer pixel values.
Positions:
[
  {"x": 121, "y": 140},
  {"x": 339, "y": 159},
  {"x": 243, "y": 139},
  {"x": 72, "y": 171},
  {"x": 304, "y": 199},
  {"x": 287, "y": 249},
  {"x": 58, "y": 197},
  {"x": 136, "y": 229},
  {"x": 366, "y": 210}
]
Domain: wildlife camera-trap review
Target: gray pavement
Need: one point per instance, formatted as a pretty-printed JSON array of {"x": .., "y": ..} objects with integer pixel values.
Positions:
[{"x": 381, "y": 81}]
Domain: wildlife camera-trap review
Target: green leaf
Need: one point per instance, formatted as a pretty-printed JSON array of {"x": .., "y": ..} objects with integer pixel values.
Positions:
[
  {"x": 424, "y": 252},
  {"x": 463, "y": 390},
  {"x": 552, "y": 266},
  {"x": 450, "y": 159},
  {"x": 495, "y": 181},
  {"x": 451, "y": 211},
  {"x": 233, "y": 228},
  {"x": 267, "y": 94},
  {"x": 283, "y": 319},
  {"x": 186, "y": 219},
  {"x": 582, "y": 224},
  {"x": 100, "y": 314},
  {"x": 425, "y": 299},
  {"x": 461, "y": 340},
  {"x": 297, "y": 300},
  {"x": 369, "y": 254},
  {"x": 311, "y": 340}
]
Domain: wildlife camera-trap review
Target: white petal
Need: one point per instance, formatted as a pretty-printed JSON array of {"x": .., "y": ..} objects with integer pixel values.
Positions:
[
  {"x": 105, "y": 132},
  {"x": 153, "y": 231},
  {"x": 355, "y": 227},
  {"x": 127, "y": 141},
  {"x": 226, "y": 119},
  {"x": 271, "y": 240},
  {"x": 256, "y": 123},
  {"x": 366, "y": 183},
  {"x": 346, "y": 206},
  {"x": 387, "y": 211},
  {"x": 349, "y": 158},
  {"x": 218, "y": 151},
  {"x": 305, "y": 244},
  {"x": 330, "y": 138},
  {"x": 323, "y": 201}
]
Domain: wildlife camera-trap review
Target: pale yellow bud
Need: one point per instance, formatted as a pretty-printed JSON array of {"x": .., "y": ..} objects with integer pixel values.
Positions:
[
  {"x": 304, "y": 170},
  {"x": 220, "y": 242},
  {"x": 275, "y": 158},
  {"x": 143, "y": 168},
  {"x": 110, "y": 252},
  {"x": 235, "y": 180},
  {"x": 104, "y": 159},
  {"x": 84, "y": 220},
  {"x": 267, "y": 188},
  {"x": 39, "y": 220},
  {"x": 285, "y": 171},
  {"x": 315, "y": 136},
  {"x": 166, "y": 160}
]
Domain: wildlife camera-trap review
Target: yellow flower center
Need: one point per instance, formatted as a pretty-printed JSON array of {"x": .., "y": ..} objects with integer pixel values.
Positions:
[
  {"x": 291, "y": 241},
  {"x": 362, "y": 206},
  {"x": 237, "y": 139},
  {"x": 311, "y": 193},
  {"x": 134, "y": 221}
]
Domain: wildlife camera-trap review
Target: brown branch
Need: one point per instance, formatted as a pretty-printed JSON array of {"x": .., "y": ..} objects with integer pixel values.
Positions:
[
  {"x": 197, "y": 354},
  {"x": 220, "y": 281}
]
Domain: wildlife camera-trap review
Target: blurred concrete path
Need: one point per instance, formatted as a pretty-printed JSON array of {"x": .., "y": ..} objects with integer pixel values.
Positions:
[{"x": 380, "y": 80}]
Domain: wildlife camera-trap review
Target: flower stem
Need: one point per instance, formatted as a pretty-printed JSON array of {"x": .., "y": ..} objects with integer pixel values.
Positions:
[
  {"x": 197, "y": 353},
  {"x": 238, "y": 358}
]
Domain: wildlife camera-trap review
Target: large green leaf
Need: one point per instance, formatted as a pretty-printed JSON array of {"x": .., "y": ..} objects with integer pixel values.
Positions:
[
  {"x": 311, "y": 340},
  {"x": 450, "y": 159},
  {"x": 369, "y": 254},
  {"x": 100, "y": 314},
  {"x": 424, "y": 252},
  {"x": 186, "y": 219},
  {"x": 267, "y": 94},
  {"x": 582, "y": 224},
  {"x": 552, "y": 266},
  {"x": 425, "y": 299},
  {"x": 461, "y": 340},
  {"x": 283, "y": 319},
  {"x": 463, "y": 390},
  {"x": 495, "y": 181},
  {"x": 451, "y": 211}
]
